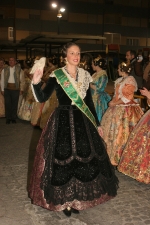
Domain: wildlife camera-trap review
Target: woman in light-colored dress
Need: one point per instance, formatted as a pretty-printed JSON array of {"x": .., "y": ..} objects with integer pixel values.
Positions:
[
  {"x": 26, "y": 106},
  {"x": 122, "y": 115},
  {"x": 100, "y": 80},
  {"x": 135, "y": 160},
  {"x": 2, "y": 105}
]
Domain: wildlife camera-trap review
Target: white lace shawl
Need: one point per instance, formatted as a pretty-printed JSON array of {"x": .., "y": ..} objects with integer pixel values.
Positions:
[
  {"x": 127, "y": 80},
  {"x": 82, "y": 85}
]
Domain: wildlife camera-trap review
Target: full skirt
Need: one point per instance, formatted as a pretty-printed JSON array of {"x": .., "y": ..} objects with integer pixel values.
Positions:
[
  {"x": 117, "y": 124},
  {"x": 71, "y": 166},
  {"x": 135, "y": 160}
]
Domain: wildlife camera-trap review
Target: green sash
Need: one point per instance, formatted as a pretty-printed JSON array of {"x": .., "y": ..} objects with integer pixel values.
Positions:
[{"x": 73, "y": 95}]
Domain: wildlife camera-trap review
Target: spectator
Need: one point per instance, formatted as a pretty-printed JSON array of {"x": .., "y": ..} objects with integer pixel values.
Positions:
[
  {"x": 137, "y": 67},
  {"x": 12, "y": 85}
]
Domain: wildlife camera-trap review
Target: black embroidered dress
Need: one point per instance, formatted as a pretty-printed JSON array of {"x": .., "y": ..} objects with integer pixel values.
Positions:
[{"x": 71, "y": 166}]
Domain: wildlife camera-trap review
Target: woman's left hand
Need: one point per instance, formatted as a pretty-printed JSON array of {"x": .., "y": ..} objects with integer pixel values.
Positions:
[
  {"x": 100, "y": 131},
  {"x": 145, "y": 92},
  {"x": 111, "y": 104}
]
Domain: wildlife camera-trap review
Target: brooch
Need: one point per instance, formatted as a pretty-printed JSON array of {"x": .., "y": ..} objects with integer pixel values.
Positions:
[{"x": 66, "y": 84}]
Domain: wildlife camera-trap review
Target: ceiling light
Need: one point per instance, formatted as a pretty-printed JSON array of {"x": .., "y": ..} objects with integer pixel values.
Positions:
[
  {"x": 59, "y": 15},
  {"x": 54, "y": 5},
  {"x": 62, "y": 9}
]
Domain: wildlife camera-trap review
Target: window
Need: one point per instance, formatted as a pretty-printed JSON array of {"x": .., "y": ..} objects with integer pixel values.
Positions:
[
  {"x": 112, "y": 38},
  {"x": 10, "y": 33},
  {"x": 132, "y": 41}
]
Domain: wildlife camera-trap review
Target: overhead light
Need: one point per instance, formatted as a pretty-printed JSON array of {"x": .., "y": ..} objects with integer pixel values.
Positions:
[
  {"x": 62, "y": 9},
  {"x": 54, "y": 5},
  {"x": 59, "y": 15}
]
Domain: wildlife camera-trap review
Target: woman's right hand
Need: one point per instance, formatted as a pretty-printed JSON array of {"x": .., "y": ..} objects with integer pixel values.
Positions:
[{"x": 37, "y": 76}]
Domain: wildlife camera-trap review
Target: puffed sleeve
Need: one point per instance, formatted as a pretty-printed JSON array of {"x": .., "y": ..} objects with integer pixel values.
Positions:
[{"x": 127, "y": 93}]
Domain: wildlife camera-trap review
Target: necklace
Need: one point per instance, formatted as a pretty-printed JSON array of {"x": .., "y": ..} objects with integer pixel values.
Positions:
[{"x": 73, "y": 74}]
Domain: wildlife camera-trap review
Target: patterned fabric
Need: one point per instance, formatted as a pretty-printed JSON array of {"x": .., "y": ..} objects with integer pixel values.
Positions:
[
  {"x": 82, "y": 84},
  {"x": 26, "y": 106},
  {"x": 2, "y": 106},
  {"x": 118, "y": 121},
  {"x": 71, "y": 166},
  {"x": 135, "y": 160},
  {"x": 100, "y": 97}
]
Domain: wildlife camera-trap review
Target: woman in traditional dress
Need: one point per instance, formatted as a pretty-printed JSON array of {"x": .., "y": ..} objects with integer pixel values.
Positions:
[
  {"x": 2, "y": 105},
  {"x": 26, "y": 105},
  {"x": 122, "y": 115},
  {"x": 135, "y": 160},
  {"x": 98, "y": 85},
  {"x": 71, "y": 169}
]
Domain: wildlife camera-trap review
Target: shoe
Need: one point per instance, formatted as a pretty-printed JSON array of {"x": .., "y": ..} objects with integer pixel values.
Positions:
[
  {"x": 7, "y": 121},
  {"x": 13, "y": 121},
  {"x": 67, "y": 212},
  {"x": 74, "y": 211}
]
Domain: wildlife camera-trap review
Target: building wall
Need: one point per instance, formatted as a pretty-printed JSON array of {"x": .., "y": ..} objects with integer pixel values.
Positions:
[{"x": 125, "y": 22}]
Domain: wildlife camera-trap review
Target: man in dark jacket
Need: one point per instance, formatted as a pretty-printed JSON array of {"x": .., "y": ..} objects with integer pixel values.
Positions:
[{"x": 137, "y": 66}]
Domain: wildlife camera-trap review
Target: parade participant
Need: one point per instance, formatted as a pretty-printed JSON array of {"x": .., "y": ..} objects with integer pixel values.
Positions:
[
  {"x": 98, "y": 85},
  {"x": 71, "y": 170},
  {"x": 122, "y": 115},
  {"x": 2, "y": 106},
  {"x": 135, "y": 160}
]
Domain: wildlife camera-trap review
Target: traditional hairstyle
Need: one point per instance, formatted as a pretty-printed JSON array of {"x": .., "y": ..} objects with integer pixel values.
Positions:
[
  {"x": 124, "y": 67},
  {"x": 66, "y": 47},
  {"x": 99, "y": 62}
]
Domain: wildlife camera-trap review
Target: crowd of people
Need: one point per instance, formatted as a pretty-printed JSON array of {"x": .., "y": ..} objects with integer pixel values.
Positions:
[{"x": 86, "y": 134}]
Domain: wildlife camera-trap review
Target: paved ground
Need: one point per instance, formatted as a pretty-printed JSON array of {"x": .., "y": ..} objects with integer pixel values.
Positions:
[{"x": 17, "y": 148}]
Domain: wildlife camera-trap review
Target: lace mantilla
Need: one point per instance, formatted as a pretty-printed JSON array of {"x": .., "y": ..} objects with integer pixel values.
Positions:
[
  {"x": 126, "y": 80},
  {"x": 122, "y": 82},
  {"x": 82, "y": 85}
]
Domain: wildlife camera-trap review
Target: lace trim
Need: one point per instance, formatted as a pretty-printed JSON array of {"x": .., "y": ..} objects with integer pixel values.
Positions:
[
  {"x": 122, "y": 82},
  {"x": 82, "y": 85}
]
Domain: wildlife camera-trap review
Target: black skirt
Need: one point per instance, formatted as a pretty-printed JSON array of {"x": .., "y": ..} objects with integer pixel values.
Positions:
[{"x": 71, "y": 166}]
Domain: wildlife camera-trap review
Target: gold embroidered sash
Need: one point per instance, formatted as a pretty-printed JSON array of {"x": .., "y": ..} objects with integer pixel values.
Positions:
[{"x": 73, "y": 95}]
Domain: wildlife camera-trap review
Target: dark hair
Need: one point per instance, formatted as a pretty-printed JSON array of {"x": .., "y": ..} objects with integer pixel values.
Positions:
[
  {"x": 99, "y": 62},
  {"x": 28, "y": 62},
  {"x": 66, "y": 47},
  {"x": 2, "y": 59},
  {"x": 124, "y": 67},
  {"x": 132, "y": 52}
]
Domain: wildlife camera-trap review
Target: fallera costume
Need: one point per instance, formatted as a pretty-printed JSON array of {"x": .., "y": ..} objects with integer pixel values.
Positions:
[
  {"x": 99, "y": 96},
  {"x": 118, "y": 121},
  {"x": 2, "y": 105},
  {"x": 26, "y": 106},
  {"x": 135, "y": 160},
  {"x": 71, "y": 167}
]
